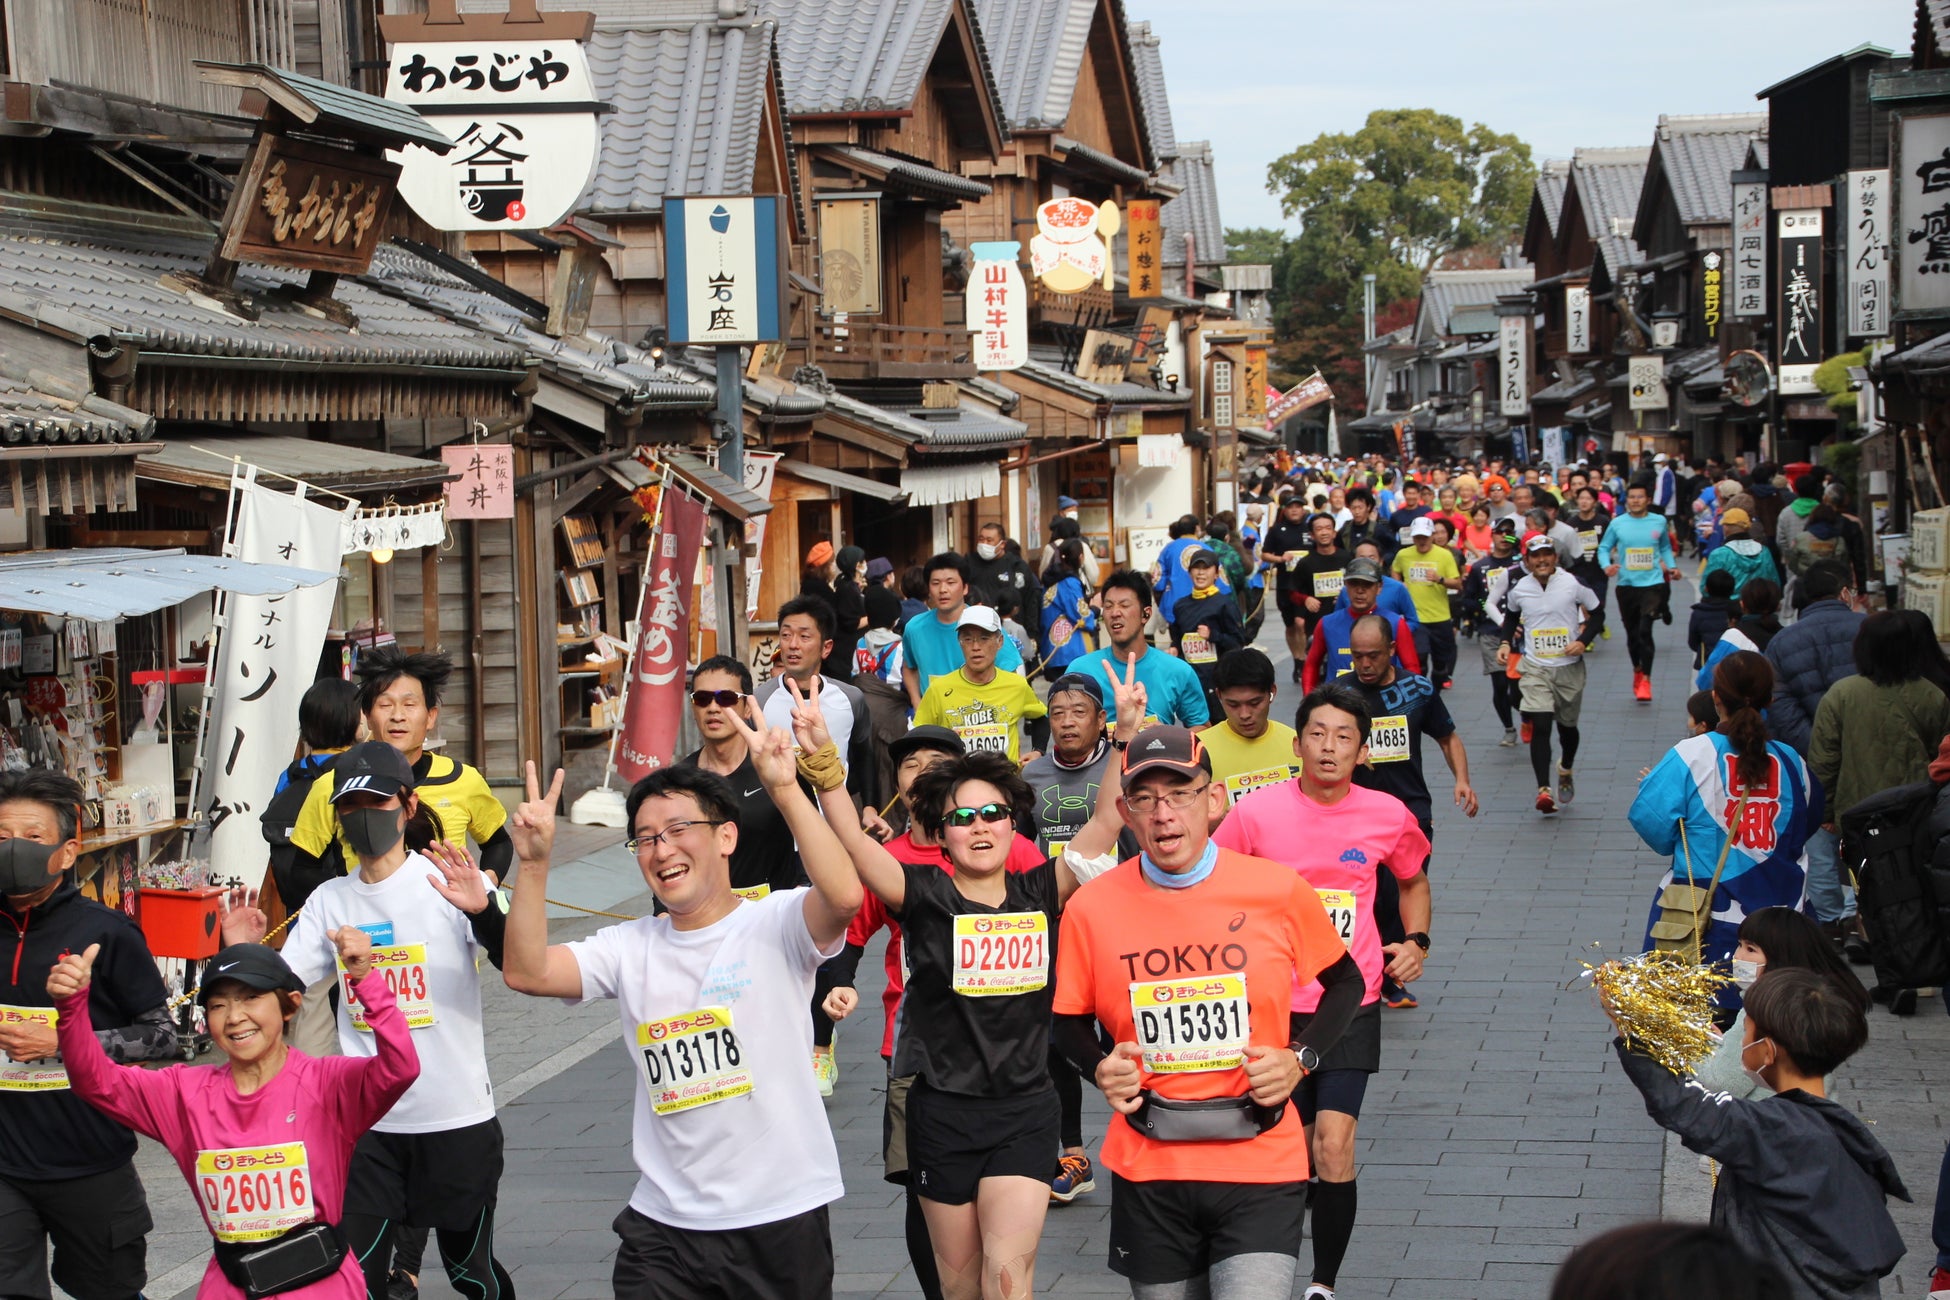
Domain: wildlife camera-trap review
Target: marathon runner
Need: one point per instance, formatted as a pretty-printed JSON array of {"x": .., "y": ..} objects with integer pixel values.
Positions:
[
  {"x": 1282, "y": 549},
  {"x": 1637, "y": 550},
  {"x": 1187, "y": 956},
  {"x": 930, "y": 641},
  {"x": 1246, "y": 747},
  {"x": 1329, "y": 654},
  {"x": 1484, "y": 587},
  {"x": 1337, "y": 836},
  {"x": 1172, "y": 687},
  {"x": 736, "y": 1162},
  {"x": 766, "y": 858},
  {"x": 1430, "y": 574},
  {"x": 1554, "y": 612},
  {"x": 988, "y": 707},
  {"x": 1066, "y": 779},
  {"x": 1591, "y": 519}
]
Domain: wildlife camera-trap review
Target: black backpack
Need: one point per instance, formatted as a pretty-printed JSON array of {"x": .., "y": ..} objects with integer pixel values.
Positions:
[
  {"x": 280, "y": 818},
  {"x": 1902, "y": 882}
]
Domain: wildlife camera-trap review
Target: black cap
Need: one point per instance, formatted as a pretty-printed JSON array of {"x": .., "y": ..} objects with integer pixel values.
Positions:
[
  {"x": 1083, "y": 682},
  {"x": 1202, "y": 555},
  {"x": 372, "y": 768},
  {"x": 1170, "y": 749},
  {"x": 251, "y": 964},
  {"x": 925, "y": 737}
]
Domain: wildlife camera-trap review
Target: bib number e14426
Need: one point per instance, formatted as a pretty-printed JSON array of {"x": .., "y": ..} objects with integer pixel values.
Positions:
[
  {"x": 692, "y": 1060},
  {"x": 1000, "y": 954},
  {"x": 1189, "y": 1025},
  {"x": 255, "y": 1193},
  {"x": 1550, "y": 642}
]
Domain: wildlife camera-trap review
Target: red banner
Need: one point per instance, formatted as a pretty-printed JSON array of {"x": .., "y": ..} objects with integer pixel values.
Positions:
[
  {"x": 1309, "y": 392},
  {"x": 649, "y": 737}
]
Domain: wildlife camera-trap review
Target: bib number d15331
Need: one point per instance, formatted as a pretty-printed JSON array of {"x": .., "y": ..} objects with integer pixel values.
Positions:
[
  {"x": 692, "y": 1060},
  {"x": 1001, "y": 954},
  {"x": 1189, "y": 1025}
]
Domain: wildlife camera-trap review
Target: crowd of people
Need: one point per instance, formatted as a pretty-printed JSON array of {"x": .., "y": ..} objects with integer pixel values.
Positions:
[{"x": 1105, "y": 855}]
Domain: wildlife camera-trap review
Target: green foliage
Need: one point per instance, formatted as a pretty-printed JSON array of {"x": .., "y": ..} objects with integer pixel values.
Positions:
[
  {"x": 1831, "y": 377},
  {"x": 1255, "y": 246}
]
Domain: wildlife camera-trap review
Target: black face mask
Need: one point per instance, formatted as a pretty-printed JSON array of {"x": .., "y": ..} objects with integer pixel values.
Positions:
[
  {"x": 23, "y": 865},
  {"x": 372, "y": 832}
]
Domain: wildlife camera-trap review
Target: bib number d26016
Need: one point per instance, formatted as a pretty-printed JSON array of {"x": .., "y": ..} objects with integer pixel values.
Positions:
[
  {"x": 692, "y": 1060},
  {"x": 255, "y": 1193}
]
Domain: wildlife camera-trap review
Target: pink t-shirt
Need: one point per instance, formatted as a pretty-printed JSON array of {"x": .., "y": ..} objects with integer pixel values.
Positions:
[
  {"x": 1336, "y": 848},
  {"x": 249, "y": 1146}
]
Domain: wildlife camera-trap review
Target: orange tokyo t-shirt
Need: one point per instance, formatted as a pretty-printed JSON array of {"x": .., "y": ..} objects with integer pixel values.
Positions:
[{"x": 1193, "y": 976}]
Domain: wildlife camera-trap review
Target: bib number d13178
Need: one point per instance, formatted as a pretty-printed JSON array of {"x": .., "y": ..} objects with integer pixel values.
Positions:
[{"x": 692, "y": 1060}]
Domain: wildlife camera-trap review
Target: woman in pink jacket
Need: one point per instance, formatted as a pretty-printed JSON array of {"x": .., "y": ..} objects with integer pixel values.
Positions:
[{"x": 265, "y": 1140}]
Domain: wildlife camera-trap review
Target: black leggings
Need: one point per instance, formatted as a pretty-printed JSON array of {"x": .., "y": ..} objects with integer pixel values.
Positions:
[
  {"x": 468, "y": 1254},
  {"x": 1540, "y": 745},
  {"x": 1503, "y": 697},
  {"x": 1638, "y": 609}
]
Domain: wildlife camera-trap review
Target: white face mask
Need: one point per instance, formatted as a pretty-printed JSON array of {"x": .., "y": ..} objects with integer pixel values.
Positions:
[
  {"x": 986, "y": 551},
  {"x": 1753, "y": 1076},
  {"x": 1745, "y": 973}
]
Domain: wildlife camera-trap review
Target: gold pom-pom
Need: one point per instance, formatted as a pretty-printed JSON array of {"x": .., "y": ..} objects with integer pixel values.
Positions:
[{"x": 1662, "y": 1005}]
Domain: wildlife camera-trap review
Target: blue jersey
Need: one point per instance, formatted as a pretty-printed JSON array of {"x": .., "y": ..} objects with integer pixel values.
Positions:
[
  {"x": 1641, "y": 548},
  {"x": 1393, "y": 600},
  {"x": 1175, "y": 575},
  {"x": 1171, "y": 686},
  {"x": 933, "y": 648}
]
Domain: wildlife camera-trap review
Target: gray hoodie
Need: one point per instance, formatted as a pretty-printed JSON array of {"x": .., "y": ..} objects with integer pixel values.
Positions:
[{"x": 1802, "y": 1180}]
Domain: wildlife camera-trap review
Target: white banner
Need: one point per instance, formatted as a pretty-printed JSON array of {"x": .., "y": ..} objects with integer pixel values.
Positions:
[
  {"x": 1513, "y": 365},
  {"x": 398, "y": 528},
  {"x": 267, "y": 657},
  {"x": 1647, "y": 376},
  {"x": 1577, "y": 319},
  {"x": 759, "y": 469},
  {"x": 1867, "y": 228},
  {"x": 1749, "y": 250},
  {"x": 1923, "y": 213}
]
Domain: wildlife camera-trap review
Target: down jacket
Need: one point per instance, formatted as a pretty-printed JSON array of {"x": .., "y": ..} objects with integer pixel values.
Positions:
[{"x": 1809, "y": 656}]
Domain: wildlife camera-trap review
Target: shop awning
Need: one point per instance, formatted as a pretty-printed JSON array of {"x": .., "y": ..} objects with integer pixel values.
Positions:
[
  {"x": 841, "y": 481},
  {"x": 736, "y": 500},
  {"x": 206, "y": 462},
  {"x": 121, "y": 583},
  {"x": 944, "y": 485}
]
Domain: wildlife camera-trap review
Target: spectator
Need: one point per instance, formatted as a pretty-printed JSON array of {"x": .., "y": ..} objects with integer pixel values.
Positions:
[
  {"x": 914, "y": 592},
  {"x": 1712, "y": 615},
  {"x": 1665, "y": 1261},
  {"x": 1807, "y": 495},
  {"x": 1740, "y": 554},
  {"x": 1758, "y": 622},
  {"x": 1819, "y": 538},
  {"x": 992, "y": 567},
  {"x": 849, "y": 611},
  {"x": 1061, "y": 529},
  {"x": 822, "y": 566},
  {"x": 1835, "y": 496},
  {"x": 1066, "y": 613},
  {"x": 882, "y": 601}
]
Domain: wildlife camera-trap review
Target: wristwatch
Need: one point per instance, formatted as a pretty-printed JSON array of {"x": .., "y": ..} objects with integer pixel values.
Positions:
[
  {"x": 1117, "y": 744},
  {"x": 1418, "y": 938},
  {"x": 1308, "y": 1057}
]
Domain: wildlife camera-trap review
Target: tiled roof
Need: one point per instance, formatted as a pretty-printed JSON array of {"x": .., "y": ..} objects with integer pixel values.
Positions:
[
  {"x": 689, "y": 103},
  {"x": 29, "y": 415},
  {"x": 1036, "y": 48},
  {"x": 1045, "y": 370},
  {"x": 1931, "y": 41},
  {"x": 1699, "y": 154},
  {"x": 1147, "y": 58},
  {"x": 1608, "y": 183},
  {"x": 915, "y": 177},
  {"x": 1552, "y": 178},
  {"x": 842, "y": 56},
  {"x": 1443, "y": 292},
  {"x": 965, "y": 428},
  {"x": 1195, "y": 210},
  {"x": 88, "y": 289},
  {"x": 342, "y": 109}
]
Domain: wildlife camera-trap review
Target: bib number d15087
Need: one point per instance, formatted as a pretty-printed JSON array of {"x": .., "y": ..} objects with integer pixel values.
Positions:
[
  {"x": 1190, "y": 1025},
  {"x": 692, "y": 1060},
  {"x": 1001, "y": 954}
]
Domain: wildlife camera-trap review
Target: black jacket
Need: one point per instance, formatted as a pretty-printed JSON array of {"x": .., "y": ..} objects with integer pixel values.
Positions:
[
  {"x": 989, "y": 577},
  {"x": 55, "y": 1134}
]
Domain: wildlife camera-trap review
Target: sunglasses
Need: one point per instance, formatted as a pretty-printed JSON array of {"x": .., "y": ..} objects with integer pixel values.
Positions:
[
  {"x": 723, "y": 699},
  {"x": 989, "y": 814}
]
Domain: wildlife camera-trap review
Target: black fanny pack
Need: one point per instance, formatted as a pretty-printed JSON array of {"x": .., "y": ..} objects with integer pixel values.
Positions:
[
  {"x": 298, "y": 1258},
  {"x": 1220, "y": 1119}
]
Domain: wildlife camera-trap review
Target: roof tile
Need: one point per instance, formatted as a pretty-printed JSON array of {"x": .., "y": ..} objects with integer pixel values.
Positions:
[
  {"x": 1196, "y": 209},
  {"x": 1036, "y": 48},
  {"x": 1148, "y": 60},
  {"x": 842, "y": 56}
]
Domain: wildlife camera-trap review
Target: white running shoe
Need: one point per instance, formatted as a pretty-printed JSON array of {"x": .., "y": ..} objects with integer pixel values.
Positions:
[{"x": 1318, "y": 1292}]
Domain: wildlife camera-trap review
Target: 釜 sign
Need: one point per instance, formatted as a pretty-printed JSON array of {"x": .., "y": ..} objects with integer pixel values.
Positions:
[
  {"x": 311, "y": 207},
  {"x": 724, "y": 269},
  {"x": 1577, "y": 319},
  {"x": 1144, "y": 247},
  {"x": 1922, "y": 227},
  {"x": 1749, "y": 249},
  {"x": 1867, "y": 221},
  {"x": 1711, "y": 285},
  {"x": 1647, "y": 379},
  {"x": 849, "y": 254},
  {"x": 1000, "y": 306},
  {"x": 1065, "y": 252},
  {"x": 486, "y": 486},
  {"x": 1513, "y": 365},
  {"x": 1798, "y": 319}
]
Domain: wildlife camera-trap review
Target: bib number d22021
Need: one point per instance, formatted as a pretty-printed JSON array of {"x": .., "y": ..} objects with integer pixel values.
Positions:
[
  {"x": 254, "y": 1193},
  {"x": 1189, "y": 1025},
  {"x": 692, "y": 1060},
  {"x": 1001, "y": 954}
]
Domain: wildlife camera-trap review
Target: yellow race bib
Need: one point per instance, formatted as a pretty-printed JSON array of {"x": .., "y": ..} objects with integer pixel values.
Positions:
[
  {"x": 1550, "y": 642},
  {"x": 1189, "y": 1025},
  {"x": 1388, "y": 739},
  {"x": 405, "y": 968},
  {"x": 1341, "y": 905},
  {"x": 1640, "y": 558},
  {"x": 1198, "y": 650},
  {"x": 254, "y": 1193},
  {"x": 692, "y": 1060},
  {"x": 1001, "y": 954},
  {"x": 1241, "y": 784}
]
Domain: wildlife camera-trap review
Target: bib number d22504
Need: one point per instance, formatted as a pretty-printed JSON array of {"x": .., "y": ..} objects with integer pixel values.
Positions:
[{"x": 692, "y": 1060}]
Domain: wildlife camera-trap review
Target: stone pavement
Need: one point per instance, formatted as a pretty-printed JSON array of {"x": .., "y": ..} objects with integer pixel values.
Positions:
[{"x": 1501, "y": 1134}]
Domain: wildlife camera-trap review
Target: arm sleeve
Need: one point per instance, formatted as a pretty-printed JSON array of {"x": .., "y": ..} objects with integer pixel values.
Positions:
[
  {"x": 1341, "y": 989},
  {"x": 144, "y": 1100},
  {"x": 1076, "y": 1039},
  {"x": 1316, "y": 656},
  {"x": 490, "y": 925},
  {"x": 843, "y": 971},
  {"x": 1405, "y": 646},
  {"x": 151, "y": 1037},
  {"x": 498, "y": 855}
]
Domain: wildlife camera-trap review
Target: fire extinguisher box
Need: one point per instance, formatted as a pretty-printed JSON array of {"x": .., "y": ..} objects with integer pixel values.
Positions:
[{"x": 183, "y": 923}]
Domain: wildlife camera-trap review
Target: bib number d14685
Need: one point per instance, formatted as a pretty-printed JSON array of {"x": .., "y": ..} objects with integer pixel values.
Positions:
[
  {"x": 1189, "y": 1025},
  {"x": 255, "y": 1193},
  {"x": 1001, "y": 954},
  {"x": 692, "y": 1060}
]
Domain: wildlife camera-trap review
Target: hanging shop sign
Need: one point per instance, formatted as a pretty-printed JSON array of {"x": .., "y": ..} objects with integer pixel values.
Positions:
[
  {"x": 1922, "y": 226},
  {"x": 1749, "y": 249},
  {"x": 1646, "y": 376},
  {"x": 760, "y": 470},
  {"x": 849, "y": 254},
  {"x": 1065, "y": 252},
  {"x": 1309, "y": 392},
  {"x": 724, "y": 269},
  {"x": 486, "y": 486},
  {"x": 649, "y": 737},
  {"x": 398, "y": 528},
  {"x": 311, "y": 207},
  {"x": 1105, "y": 358},
  {"x": 1712, "y": 285},
  {"x": 1798, "y": 316},
  {"x": 1254, "y": 412},
  {"x": 1001, "y": 301},
  {"x": 1867, "y": 220},
  {"x": 1144, "y": 245},
  {"x": 1577, "y": 319},
  {"x": 1513, "y": 365}
]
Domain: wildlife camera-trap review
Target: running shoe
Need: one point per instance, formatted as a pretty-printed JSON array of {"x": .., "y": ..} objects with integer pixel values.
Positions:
[
  {"x": 1545, "y": 803},
  {"x": 1397, "y": 996},
  {"x": 1526, "y": 733},
  {"x": 401, "y": 1286},
  {"x": 1642, "y": 687},
  {"x": 1902, "y": 1002},
  {"x": 1319, "y": 1292},
  {"x": 826, "y": 1069},
  {"x": 1940, "y": 1284},
  {"x": 1605, "y": 632},
  {"x": 1567, "y": 789},
  {"x": 1072, "y": 1179},
  {"x": 1296, "y": 672},
  {"x": 1509, "y": 738}
]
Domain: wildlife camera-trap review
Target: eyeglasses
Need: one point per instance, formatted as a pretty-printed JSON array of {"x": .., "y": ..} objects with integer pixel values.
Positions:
[
  {"x": 723, "y": 699},
  {"x": 649, "y": 843},
  {"x": 989, "y": 814},
  {"x": 1180, "y": 799}
]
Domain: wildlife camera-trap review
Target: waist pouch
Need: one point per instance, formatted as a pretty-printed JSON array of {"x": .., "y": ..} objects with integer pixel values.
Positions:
[
  {"x": 1219, "y": 1119},
  {"x": 298, "y": 1258}
]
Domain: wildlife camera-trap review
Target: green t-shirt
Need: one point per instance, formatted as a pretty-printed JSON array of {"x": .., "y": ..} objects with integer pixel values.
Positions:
[{"x": 1424, "y": 575}]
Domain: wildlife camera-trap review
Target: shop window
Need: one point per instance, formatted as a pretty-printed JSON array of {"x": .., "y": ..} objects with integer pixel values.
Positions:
[{"x": 1222, "y": 410}]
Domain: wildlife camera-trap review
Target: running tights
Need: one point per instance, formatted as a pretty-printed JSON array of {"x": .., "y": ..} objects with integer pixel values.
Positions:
[
  {"x": 1503, "y": 695},
  {"x": 1238, "y": 1277},
  {"x": 468, "y": 1254},
  {"x": 1540, "y": 745},
  {"x": 1638, "y": 609},
  {"x": 1334, "y": 1206},
  {"x": 920, "y": 1249}
]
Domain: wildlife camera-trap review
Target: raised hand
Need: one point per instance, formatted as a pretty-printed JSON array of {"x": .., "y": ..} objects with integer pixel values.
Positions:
[
  {"x": 355, "y": 950},
  {"x": 1121, "y": 1078},
  {"x": 243, "y": 920},
  {"x": 69, "y": 977},
  {"x": 770, "y": 747},
  {"x": 1130, "y": 699},
  {"x": 459, "y": 880},
  {"x": 808, "y": 720},
  {"x": 532, "y": 828}
]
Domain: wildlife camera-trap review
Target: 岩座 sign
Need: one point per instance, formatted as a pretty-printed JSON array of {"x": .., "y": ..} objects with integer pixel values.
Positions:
[
  {"x": 724, "y": 269},
  {"x": 310, "y": 207}
]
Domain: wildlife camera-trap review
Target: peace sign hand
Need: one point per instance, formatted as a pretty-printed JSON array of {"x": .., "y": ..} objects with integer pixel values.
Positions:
[
  {"x": 808, "y": 720},
  {"x": 1130, "y": 699},
  {"x": 532, "y": 828},
  {"x": 770, "y": 748}
]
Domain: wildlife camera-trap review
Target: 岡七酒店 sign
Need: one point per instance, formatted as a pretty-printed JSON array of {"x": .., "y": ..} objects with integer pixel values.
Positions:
[{"x": 724, "y": 269}]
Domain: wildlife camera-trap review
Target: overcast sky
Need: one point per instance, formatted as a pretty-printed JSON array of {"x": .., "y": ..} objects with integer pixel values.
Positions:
[{"x": 1259, "y": 77}]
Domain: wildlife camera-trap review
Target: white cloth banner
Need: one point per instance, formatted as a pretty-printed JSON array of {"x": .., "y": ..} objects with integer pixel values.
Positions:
[
  {"x": 398, "y": 528},
  {"x": 1159, "y": 450},
  {"x": 267, "y": 657}
]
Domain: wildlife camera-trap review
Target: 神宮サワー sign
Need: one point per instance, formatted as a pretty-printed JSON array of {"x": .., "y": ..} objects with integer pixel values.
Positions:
[
  {"x": 1712, "y": 284},
  {"x": 311, "y": 207},
  {"x": 724, "y": 269}
]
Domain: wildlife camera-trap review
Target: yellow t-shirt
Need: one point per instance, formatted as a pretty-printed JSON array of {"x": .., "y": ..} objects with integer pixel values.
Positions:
[
  {"x": 1424, "y": 575},
  {"x": 987, "y": 717},
  {"x": 456, "y": 792},
  {"x": 1243, "y": 766}
]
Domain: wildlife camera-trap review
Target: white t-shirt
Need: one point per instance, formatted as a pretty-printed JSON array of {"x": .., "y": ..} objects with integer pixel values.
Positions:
[
  {"x": 734, "y": 1134},
  {"x": 775, "y": 702},
  {"x": 428, "y": 949},
  {"x": 1551, "y": 616}
]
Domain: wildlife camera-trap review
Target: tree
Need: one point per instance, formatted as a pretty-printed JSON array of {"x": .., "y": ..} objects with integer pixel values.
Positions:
[{"x": 1255, "y": 246}]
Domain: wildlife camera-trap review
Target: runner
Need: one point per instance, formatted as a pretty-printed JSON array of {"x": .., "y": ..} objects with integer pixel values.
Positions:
[
  {"x": 1066, "y": 779},
  {"x": 929, "y": 642},
  {"x": 1404, "y": 707},
  {"x": 1198, "y": 1213},
  {"x": 1555, "y": 613},
  {"x": 735, "y": 1159},
  {"x": 1484, "y": 588},
  {"x": 1318, "y": 577},
  {"x": 1336, "y": 836},
  {"x": 1171, "y": 686},
  {"x": 986, "y": 706},
  {"x": 1285, "y": 545},
  {"x": 1590, "y": 518},
  {"x": 329, "y": 723},
  {"x": 766, "y": 858},
  {"x": 1430, "y": 573},
  {"x": 1246, "y": 747},
  {"x": 805, "y": 644},
  {"x": 1637, "y": 550},
  {"x": 434, "y": 1160},
  {"x": 67, "y": 1172},
  {"x": 1205, "y": 623},
  {"x": 1328, "y": 657}
]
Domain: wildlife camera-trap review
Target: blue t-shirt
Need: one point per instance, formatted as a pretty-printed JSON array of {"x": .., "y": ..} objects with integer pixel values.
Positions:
[
  {"x": 1394, "y": 600},
  {"x": 934, "y": 648},
  {"x": 1171, "y": 685},
  {"x": 1175, "y": 576},
  {"x": 1641, "y": 548}
]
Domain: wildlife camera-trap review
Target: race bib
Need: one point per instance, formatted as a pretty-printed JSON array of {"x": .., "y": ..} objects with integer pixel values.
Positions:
[
  {"x": 1589, "y": 538},
  {"x": 1640, "y": 557},
  {"x": 1329, "y": 584},
  {"x": 754, "y": 893},
  {"x": 1198, "y": 650},
  {"x": 1340, "y": 905},
  {"x": 1184, "y": 1026},
  {"x": 1388, "y": 739},
  {"x": 1549, "y": 642},
  {"x": 984, "y": 737},
  {"x": 1244, "y": 783},
  {"x": 31, "y": 1076},
  {"x": 1293, "y": 561},
  {"x": 692, "y": 1060},
  {"x": 1422, "y": 573},
  {"x": 254, "y": 1193},
  {"x": 405, "y": 968},
  {"x": 1003, "y": 954}
]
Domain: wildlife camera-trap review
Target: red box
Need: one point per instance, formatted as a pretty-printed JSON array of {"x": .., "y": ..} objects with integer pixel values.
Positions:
[{"x": 184, "y": 923}]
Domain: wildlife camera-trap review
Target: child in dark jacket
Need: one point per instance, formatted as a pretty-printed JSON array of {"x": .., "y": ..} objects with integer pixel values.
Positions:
[
  {"x": 1712, "y": 615},
  {"x": 1802, "y": 1181},
  {"x": 1206, "y": 624}
]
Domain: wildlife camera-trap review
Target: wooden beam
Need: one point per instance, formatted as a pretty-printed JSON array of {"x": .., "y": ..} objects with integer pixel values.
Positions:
[{"x": 430, "y": 601}]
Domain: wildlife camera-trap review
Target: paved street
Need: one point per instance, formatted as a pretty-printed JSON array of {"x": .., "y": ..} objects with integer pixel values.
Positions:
[{"x": 1500, "y": 1135}]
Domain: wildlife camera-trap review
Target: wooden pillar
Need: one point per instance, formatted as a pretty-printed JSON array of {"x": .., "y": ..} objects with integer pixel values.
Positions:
[
  {"x": 430, "y": 600},
  {"x": 538, "y": 660}
]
